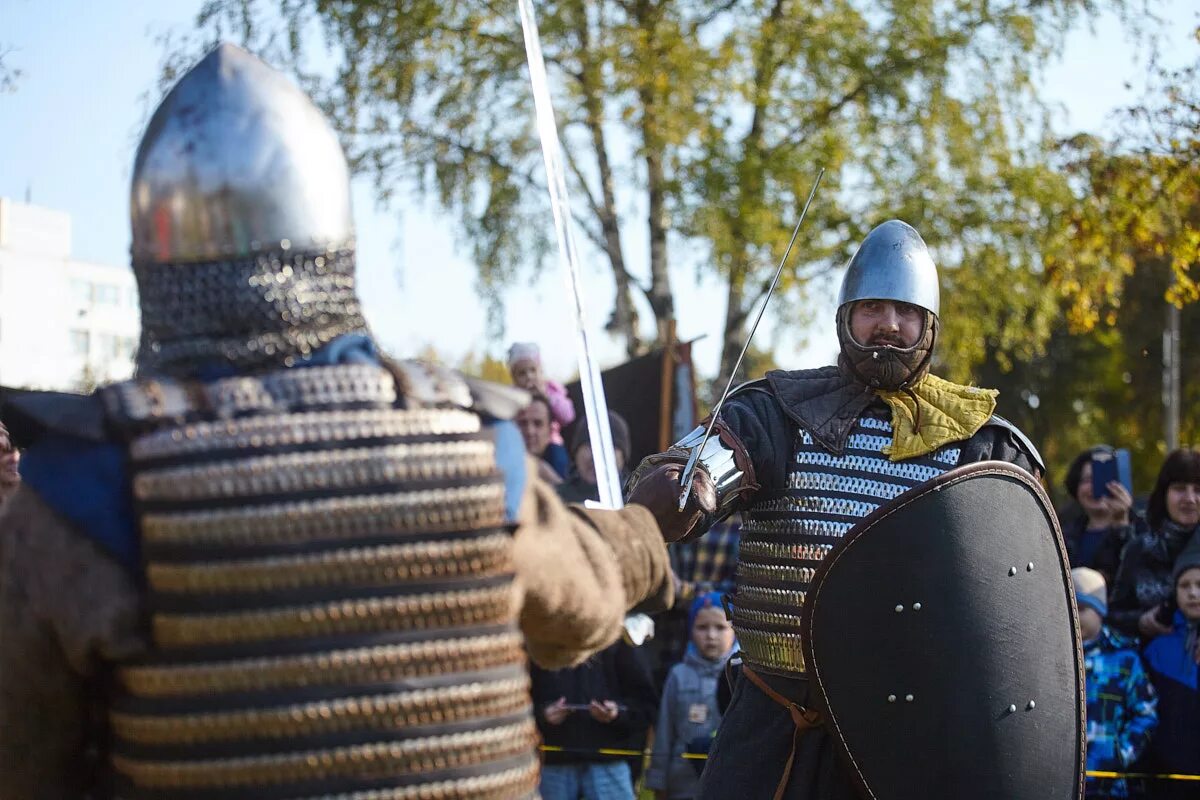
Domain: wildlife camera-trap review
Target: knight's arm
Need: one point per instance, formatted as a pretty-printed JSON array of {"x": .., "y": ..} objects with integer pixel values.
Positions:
[
  {"x": 741, "y": 453},
  {"x": 65, "y": 608},
  {"x": 581, "y": 570}
]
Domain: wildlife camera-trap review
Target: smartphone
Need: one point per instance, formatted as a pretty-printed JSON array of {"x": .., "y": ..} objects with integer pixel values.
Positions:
[
  {"x": 1104, "y": 471},
  {"x": 587, "y": 706},
  {"x": 1108, "y": 467},
  {"x": 1125, "y": 470}
]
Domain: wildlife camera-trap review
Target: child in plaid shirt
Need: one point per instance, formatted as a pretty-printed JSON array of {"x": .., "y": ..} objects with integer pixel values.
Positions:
[{"x": 1120, "y": 699}]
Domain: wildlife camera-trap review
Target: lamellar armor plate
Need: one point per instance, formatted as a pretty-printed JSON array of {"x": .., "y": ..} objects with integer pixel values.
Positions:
[
  {"x": 331, "y": 592},
  {"x": 941, "y": 637}
]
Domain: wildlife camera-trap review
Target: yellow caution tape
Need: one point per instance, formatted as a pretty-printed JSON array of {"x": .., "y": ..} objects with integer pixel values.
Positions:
[
  {"x": 1093, "y": 773},
  {"x": 610, "y": 751}
]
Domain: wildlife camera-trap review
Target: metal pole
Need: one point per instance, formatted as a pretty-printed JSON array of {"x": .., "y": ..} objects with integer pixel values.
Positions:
[{"x": 1171, "y": 377}]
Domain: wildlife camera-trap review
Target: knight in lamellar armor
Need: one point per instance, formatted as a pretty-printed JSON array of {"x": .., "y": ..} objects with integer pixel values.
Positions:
[
  {"x": 807, "y": 457},
  {"x": 277, "y": 564}
]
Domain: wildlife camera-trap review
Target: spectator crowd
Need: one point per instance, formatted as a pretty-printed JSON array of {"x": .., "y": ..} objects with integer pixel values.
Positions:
[{"x": 1136, "y": 572}]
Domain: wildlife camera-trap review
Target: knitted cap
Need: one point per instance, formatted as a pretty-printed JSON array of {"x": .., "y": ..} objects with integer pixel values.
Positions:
[
  {"x": 706, "y": 600},
  {"x": 524, "y": 351},
  {"x": 1188, "y": 559},
  {"x": 1090, "y": 590}
]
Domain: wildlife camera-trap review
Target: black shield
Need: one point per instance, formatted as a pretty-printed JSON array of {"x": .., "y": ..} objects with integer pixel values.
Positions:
[{"x": 942, "y": 637}]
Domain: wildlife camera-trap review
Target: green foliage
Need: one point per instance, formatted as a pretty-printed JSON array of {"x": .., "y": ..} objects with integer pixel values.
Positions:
[
  {"x": 708, "y": 121},
  {"x": 1127, "y": 243},
  {"x": 1139, "y": 203},
  {"x": 716, "y": 117},
  {"x": 1104, "y": 386}
]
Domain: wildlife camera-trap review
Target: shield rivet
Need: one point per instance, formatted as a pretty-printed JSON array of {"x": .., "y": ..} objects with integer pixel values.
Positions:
[
  {"x": 916, "y": 606},
  {"x": 1012, "y": 709},
  {"x": 899, "y": 609},
  {"x": 1012, "y": 571},
  {"x": 891, "y": 698},
  {"x": 908, "y": 698},
  {"x": 1032, "y": 705},
  {"x": 1029, "y": 567}
]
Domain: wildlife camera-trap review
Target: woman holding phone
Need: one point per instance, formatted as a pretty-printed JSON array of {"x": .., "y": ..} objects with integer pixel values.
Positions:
[
  {"x": 1141, "y": 601},
  {"x": 1096, "y": 536}
]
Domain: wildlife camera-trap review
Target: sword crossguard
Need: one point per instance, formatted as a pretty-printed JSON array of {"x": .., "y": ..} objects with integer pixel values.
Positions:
[{"x": 685, "y": 480}]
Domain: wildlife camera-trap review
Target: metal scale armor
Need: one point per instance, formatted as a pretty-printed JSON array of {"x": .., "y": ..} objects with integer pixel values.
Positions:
[{"x": 329, "y": 575}]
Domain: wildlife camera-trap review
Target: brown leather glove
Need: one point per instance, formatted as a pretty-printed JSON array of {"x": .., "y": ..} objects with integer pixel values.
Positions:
[{"x": 658, "y": 489}]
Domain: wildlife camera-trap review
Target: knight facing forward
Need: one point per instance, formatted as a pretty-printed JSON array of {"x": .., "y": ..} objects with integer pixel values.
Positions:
[
  {"x": 807, "y": 455},
  {"x": 276, "y": 565}
]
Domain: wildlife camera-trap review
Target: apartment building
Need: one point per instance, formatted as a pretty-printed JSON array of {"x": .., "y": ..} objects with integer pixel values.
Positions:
[{"x": 65, "y": 324}]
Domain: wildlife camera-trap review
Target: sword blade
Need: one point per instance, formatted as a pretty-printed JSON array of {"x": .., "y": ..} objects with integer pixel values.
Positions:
[
  {"x": 689, "y": 471},
  {"x": 594, "y": 403}
]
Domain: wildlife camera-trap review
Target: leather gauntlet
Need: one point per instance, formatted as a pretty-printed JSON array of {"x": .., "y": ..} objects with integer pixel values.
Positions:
[{"x": 723, "y": 474}]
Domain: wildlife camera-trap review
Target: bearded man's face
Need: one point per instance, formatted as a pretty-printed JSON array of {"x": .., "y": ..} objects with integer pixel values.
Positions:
[{"x": 874, "y": 323}]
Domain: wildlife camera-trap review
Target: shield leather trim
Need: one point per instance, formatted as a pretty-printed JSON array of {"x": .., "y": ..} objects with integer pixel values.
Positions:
[{"x": 942, "y": 638}]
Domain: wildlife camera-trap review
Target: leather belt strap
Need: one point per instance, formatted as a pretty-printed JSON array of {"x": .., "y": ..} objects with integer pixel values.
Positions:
[{"x": 802, "y": 718}]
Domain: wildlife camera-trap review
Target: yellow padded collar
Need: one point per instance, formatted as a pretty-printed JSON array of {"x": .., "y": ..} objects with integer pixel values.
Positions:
[{"x": 933, "y": 413}]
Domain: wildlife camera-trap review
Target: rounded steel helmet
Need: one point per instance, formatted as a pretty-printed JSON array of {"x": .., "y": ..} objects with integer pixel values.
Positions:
[
  {"x": 243, "y": 240},
  {"x": 236, "y": 159},
  {"x": 892, "y": 263}
]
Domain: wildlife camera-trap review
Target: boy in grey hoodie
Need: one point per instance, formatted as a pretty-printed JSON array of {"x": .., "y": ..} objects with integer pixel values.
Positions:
[{"x": 688, "y": 716}]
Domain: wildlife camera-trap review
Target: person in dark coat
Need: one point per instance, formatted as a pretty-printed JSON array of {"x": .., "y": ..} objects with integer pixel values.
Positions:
[
  {"x": 1096, "y": 535},
  {"x": 586, "y": 709},
  {"x": 580, "y": 484},
  {"x": 1141, "y": 600},
  {"x": 1174, "y": 663}
]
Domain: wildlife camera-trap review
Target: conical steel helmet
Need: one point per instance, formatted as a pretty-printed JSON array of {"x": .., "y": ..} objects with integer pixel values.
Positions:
[
  {"x": 243, "y": 242},
  {"x": 237, "y": 160},
  {"x": 892, "y": 263}
]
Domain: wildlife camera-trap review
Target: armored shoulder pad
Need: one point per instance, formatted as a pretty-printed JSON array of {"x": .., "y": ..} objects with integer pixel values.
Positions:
[
  {"x": 422, "y": 383},
  {"x": 30, "y": 416},
  {"x": 1021, "y": 439},
  {"x": 138, "y": 405},
  {"x": 759, "y": 385},
  {"x": 496, "y": 399}
]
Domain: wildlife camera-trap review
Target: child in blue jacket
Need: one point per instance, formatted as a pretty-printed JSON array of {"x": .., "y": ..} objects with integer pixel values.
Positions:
[
  {"x": 1120, "y": 699},
  {"x": 688, "y": 716},
  {"x": 1174, "y": 663}
]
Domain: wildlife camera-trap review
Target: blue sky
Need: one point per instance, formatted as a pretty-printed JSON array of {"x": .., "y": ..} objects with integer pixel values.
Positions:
[{"x": 68, "y": 134}]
